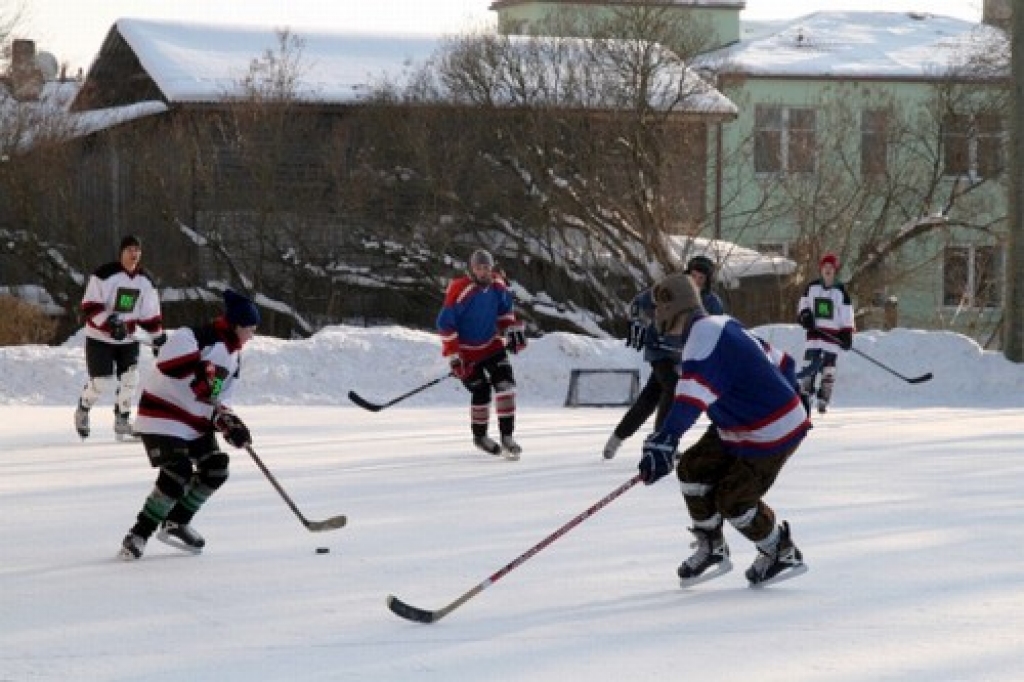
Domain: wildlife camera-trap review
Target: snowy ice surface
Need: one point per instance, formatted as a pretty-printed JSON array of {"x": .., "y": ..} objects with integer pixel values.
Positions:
[{"x": 906, "y": 501}]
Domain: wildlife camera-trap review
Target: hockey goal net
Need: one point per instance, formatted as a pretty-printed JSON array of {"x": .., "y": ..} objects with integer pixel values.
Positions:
[{"x": 603, "y": 387}]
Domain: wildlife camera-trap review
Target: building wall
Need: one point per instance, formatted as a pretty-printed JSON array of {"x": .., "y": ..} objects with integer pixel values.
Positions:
[
  {"x": 723, "y": 25},
  {"x": 914, "y": 275}
]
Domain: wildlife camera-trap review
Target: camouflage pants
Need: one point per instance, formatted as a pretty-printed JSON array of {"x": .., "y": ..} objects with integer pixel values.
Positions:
[{"x": 715, "y": 482}]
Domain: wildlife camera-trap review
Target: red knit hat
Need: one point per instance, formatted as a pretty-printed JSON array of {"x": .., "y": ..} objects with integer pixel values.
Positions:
[{"x": 829, "y": 258}]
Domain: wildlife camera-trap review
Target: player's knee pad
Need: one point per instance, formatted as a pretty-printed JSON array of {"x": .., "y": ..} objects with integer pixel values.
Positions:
[
  {"x": 481, "y": 392},
  {"x": 212, "y": 469},
  {"x": 94, "y": 388},
  {"x": 127, "y": 383}
]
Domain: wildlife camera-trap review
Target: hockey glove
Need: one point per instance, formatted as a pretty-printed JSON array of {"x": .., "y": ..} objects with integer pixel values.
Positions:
[
  {"x": 118, "y": 328},
  {"x": 158, "y": 341},
  {"x": 656, "y": 461},
  {"x": 231, "y": 427},
  {"x": 637, "y": 335},
  {"x": 515, "y": 338},
  {"x": 806, "y": 319},
  {"x": 845, "y": 339},
  {"x": 207, "y": 385},
  {"x": 460, "y": 369}
]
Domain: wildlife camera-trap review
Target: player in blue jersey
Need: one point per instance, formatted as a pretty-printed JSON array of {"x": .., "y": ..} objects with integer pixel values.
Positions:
[
  {"x": 657, "y": 394},
  {"x": 478, "y": 329},
  {"x": 751, "y": 396}
]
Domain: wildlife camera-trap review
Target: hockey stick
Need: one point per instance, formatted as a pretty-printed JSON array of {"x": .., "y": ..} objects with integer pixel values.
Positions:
[
  {"x": 403, "y": 610},
  {"x": 332, "y": 523},
  {"x": 910, "y": 380},
  {"x": 377, "y": 407}
]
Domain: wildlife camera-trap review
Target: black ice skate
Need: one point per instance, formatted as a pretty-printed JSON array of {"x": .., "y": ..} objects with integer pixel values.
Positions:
[
  {"x": 132, "y": 547},
  {"x": 181, "y": 536},
  {"x": 509, "y": 447},
  {"x": 780, "y": 562},
  {"x": 710, "y": 560},
  {"x": 487, "y": 444}
]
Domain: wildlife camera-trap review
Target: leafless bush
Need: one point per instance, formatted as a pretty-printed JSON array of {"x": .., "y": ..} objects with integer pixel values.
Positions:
[{"x": 22, "y": 323}]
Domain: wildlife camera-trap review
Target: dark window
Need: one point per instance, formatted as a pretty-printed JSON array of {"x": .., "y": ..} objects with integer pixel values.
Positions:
[
  {"x": 973, "y": 145},
  {"x": 874, "y": 146},
  {"x": 785, "y": 139}
]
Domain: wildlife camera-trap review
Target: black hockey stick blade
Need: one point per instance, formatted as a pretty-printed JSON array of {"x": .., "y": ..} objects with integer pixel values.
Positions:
[
  {"x": 363, "y": 402},
  {"x": 921, "y": 379},
  {"x": 332, "y": 523},
  {"x": 377, "y": 407},
  {"x": 417, "y": 615},
  {"x": 403, "y": 610}
]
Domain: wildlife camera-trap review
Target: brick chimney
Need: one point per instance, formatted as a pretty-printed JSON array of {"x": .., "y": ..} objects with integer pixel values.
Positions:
[
  {"x": 997, "y": 13},
  {"x": 26, "y": 77}
]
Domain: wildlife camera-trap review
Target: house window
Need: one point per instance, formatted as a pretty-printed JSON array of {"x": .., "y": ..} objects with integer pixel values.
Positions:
[
  {"x": 973, "y": 146},
  {"x": 784, "y": 139},
  {"x": 874, "y": 145},
  {"x": 972, "y": 276}
]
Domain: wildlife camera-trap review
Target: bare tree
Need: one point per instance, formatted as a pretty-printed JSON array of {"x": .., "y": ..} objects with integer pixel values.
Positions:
[{"x": 576, "y": 157}]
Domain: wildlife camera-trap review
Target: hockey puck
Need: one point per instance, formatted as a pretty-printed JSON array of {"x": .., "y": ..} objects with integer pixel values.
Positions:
[{"x": 323, "y": 550}]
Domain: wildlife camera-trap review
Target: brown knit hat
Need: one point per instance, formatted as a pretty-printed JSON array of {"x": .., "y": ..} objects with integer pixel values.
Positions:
[{"x": 674, "y": 297}]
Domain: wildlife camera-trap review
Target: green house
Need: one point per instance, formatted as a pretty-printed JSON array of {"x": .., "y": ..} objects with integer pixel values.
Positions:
[{"x": 879, "y": 136}]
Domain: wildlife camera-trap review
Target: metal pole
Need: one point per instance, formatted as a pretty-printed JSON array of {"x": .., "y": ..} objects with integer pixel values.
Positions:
[{"x": 1013, "y": 309}]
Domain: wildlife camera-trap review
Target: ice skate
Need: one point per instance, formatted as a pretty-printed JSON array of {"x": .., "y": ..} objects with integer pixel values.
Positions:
[
  {"x": 779, "y": 562},
  {"x": 132, "y": 547},
  {"x": 123, "y": 428},
  {"x": 181, "y": 536},
  {"x": 487, "y": 444},
  {"x": 710, "y": 560},
  {"x": 82, "y": 421},
  {"x": 509, "y": 447}
]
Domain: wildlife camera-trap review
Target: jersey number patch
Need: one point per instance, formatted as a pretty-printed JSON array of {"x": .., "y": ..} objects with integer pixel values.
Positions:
[
  {"x": 125, "y": 299},
  {"x": 824, "y": 308}
]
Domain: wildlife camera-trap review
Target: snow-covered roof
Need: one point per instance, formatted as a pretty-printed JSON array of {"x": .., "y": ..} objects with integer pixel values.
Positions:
[
  {"x": 88, "y": 122},
  {"x": 733, "y": 262},
  {"x": 891, "y": 45},
  {"x": 586, "y": 73},
  {"x": 196, "y": 62},
  {"x": 206, "y": 63}
]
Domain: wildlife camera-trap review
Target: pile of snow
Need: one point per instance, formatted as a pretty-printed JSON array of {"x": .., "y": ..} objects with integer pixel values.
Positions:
[{"x": 382, "y": 362}]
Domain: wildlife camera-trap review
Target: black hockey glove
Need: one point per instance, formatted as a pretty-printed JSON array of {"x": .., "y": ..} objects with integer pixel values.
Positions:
[
  {"x": 845, "y": 339},
  {"x": 231, "y": 427},
  {"x": 806, "y": 319},
  {"x": 158, "y": 341},
  {"x": 118, "y": 328},
  {"x": 515, "y": 338},
  {"x": 460, "y": 370},
  {"x": 637, "y": 335},
  {"x": 656, "y": 462}
]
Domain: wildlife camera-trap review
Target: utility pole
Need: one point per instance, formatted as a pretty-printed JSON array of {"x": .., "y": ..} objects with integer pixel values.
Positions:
[{"x": 1013, "y": 310}]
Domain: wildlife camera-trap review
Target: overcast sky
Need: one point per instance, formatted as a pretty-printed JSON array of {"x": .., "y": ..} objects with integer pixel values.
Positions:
[{"x": 74, "y": 31}]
